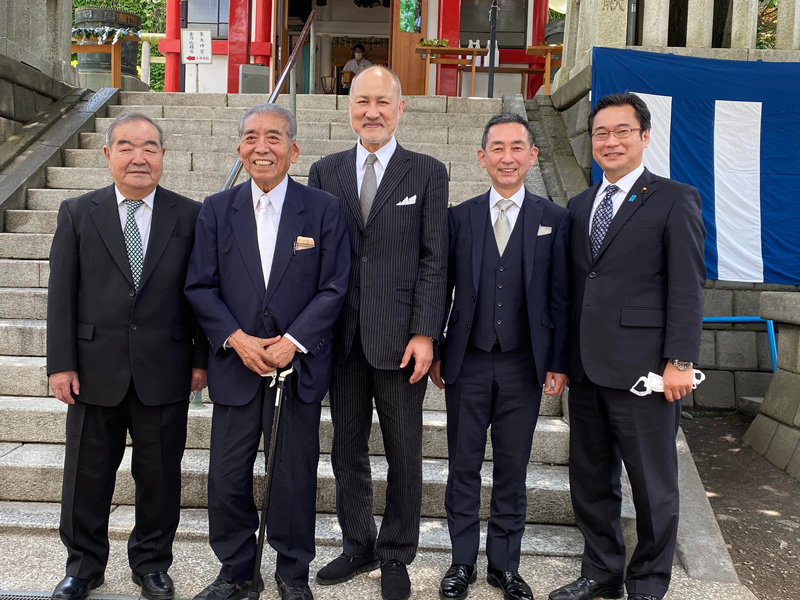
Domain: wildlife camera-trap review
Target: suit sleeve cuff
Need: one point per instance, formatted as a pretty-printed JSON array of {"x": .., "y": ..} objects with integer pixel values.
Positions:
[{"x": 296, "y": 343}]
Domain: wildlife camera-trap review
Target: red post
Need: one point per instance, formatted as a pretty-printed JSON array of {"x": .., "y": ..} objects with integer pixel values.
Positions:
[
  {"x": 540, "y": 8},
  {"x": 263, "y": 27},
  {"x": 172, "y": 66},
  {"x": 450, "y": 28},
  {"x": 238, "y": 40}
]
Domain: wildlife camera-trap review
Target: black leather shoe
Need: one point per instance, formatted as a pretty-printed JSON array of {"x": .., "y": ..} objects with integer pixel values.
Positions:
[
  {"x": 455, "y": 583},
  {"x": 587, "y": 589},
  {"x": 344, "y": 568},
  {"x": 155, "y": 586},
  {"x": 75, "y": 588},
  {"x": 292, "y": 593},
  {"x": 226, "y": 590},
  {"x": 642, "y": 597},
  {"x": 512, "y": 584},
  {"x": 395, "y": 584}
]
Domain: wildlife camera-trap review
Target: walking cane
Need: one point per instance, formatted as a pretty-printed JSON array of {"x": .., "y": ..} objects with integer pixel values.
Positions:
[{"x": 262, "y": 528}]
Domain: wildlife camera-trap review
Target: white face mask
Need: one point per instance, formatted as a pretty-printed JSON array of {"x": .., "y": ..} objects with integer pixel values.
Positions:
[
  {"x": 359, "y": 55},
  {"x": 655, "y": 383}
]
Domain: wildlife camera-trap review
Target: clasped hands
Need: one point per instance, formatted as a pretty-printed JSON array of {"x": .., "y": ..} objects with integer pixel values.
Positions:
[{"x": 262, "y": 355}]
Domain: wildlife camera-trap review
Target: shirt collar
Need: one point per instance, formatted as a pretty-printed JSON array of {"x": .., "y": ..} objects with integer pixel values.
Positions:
[
  {"x": 625, "y": 183},
  {"x": 148, "y": 200},
  {"x": 276, "y": 195},
  {"x": 384, "y": 153},
  {"x": 516, "y": 198}
]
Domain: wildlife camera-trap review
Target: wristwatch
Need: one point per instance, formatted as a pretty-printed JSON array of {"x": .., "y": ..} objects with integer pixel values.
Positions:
[{"x": 681, "y": 365}]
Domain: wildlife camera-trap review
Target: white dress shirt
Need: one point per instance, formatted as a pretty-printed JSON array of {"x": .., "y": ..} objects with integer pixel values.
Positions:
[
  {"x": 268, "y": 207},
  {"x": 512, "y": 212},
  {"x": 355, "y": 66},
  {"x": 624, "y": 184},
  {"x": 143, "y": 215},
  {"x": 384, "y": 154}
]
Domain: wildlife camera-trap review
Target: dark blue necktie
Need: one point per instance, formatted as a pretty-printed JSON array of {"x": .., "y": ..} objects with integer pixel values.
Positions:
[{"x": 602, "y": 219}]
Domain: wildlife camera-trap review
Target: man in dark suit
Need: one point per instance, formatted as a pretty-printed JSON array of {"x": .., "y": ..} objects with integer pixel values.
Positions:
[
  {"x": 637, "y": 304},
  {"x": 267, "y": 279},
  {"x": 395, "y": 205},
  {"x": 506, "y": 338},
  {"x": 124, "y": 352}
]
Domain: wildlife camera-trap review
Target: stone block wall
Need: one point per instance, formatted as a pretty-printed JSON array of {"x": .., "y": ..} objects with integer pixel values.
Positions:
[{"x": 775, "y": 432}]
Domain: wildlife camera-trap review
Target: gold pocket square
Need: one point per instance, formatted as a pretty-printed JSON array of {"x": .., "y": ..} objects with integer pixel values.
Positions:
[{"x": 303, "y": 243}]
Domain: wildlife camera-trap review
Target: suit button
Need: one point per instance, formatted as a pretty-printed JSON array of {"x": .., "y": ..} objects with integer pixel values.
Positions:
[
  {"x": 267, "y": 313},
  {"x": 467, "y": 327},
  {"x": 364, "y": 259},
  {"x": 473, "y": 298},
  {"x": 134, "y": 327},
  {"x": 499, "y": 322},
  {"x": 500, "y": 286},
  {"x": 131, "y": 293},
  {"x": 356, "y": 288},
  {"x": 592, "y": 275},
  {"x": 501, "y": 269},
  {"x": 499, "y": 304}
]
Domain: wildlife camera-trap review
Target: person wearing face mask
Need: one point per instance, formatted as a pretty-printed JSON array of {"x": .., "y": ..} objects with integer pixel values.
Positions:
[{"x": 358, "y": 63}]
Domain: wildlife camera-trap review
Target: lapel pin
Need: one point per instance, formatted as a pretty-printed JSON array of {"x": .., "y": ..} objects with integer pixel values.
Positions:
[
  {"x": 644, "y": 190},
  {"x": 632, "y": 198}
]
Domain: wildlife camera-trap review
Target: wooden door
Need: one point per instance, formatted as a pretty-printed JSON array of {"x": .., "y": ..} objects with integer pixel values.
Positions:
[{"x": 410, "y": 68}]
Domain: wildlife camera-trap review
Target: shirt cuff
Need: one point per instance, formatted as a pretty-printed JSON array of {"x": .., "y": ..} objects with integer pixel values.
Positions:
[{"x": 296, "y": 343}]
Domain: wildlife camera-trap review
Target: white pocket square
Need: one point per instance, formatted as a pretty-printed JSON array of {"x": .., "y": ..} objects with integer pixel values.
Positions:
[
  {"x": 544, "y": 230},
  {"x": 408, "y": 200}
]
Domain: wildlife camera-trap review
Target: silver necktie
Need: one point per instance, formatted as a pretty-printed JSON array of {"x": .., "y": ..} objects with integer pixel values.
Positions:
[
  {"x": 369, "y": 187},
  {"x": 502, "y": 228}
]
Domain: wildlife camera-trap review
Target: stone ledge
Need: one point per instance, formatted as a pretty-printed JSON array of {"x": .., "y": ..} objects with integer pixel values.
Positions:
[
  {"x": 783, "y": 307},
  {"x": 573, "y": 90}
]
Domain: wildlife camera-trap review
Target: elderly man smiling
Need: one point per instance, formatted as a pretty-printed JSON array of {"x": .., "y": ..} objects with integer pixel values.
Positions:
[{"x": 267, "y": 279}]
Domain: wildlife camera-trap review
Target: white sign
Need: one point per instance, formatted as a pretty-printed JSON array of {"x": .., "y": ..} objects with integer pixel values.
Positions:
[{"x": 195, "y": 46}]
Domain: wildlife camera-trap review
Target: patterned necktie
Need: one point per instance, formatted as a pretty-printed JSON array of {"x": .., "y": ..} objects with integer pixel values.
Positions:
[
  {"x": 133, "y": 241},
  {"x": 502, "y": 228},
  {"x": 369, "y": 187},
  {"x": 602, "y": 219}
]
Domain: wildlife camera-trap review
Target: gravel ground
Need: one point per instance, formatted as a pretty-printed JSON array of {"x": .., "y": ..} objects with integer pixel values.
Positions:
[{"x": 757, "y": 505}]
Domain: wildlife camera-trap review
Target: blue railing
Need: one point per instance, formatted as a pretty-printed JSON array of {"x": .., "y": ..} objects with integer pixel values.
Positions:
[{"x": 773, "y": 348}]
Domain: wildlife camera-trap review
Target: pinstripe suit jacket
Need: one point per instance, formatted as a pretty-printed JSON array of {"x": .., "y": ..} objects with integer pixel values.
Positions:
[{"x": 398, "y": 267}]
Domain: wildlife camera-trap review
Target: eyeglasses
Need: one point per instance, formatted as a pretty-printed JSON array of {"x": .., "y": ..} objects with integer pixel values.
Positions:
[{"x": 620, "y": 134}]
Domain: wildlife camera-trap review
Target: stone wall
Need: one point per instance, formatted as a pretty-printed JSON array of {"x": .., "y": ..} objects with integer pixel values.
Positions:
[
  {"x": 34, "y": 58},
  {"x": 775, "y": 432}
]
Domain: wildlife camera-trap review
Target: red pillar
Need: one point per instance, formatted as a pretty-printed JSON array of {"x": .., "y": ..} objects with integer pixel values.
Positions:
[
  {"x": 172, "y": 66},
  {"x": 450, "y": 28},
  {"x": 540, "y": 11},
  {"x": 238, "y": 40},
  {"x": 263, "y": 28}
]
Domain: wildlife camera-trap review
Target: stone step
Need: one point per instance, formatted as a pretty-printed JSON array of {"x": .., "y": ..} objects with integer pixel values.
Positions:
[
  {"x": 220, "y": 162},
  {"x": 23, "y": 303},
  {"x": 23, "y": 376},
  {"x": 34, "y": 472},
  {"x": 24, "y": 273},
  {"x": 31, "y": 221},
  {"x": 43, "y": 420},
  {"x": 22, "y": 337},
  {"x": 39, "y": 517},
  {"x": 26, "y": 376},
  {"x": 200, "y": 143},
  {"x": 25, "y": 245},
  {"x": 749, "y": 405}
]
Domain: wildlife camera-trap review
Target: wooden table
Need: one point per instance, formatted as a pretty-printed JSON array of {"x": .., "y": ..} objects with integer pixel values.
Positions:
[
  {"x": 450, "y": 56},
  {"x": 93, "y": 47},
  {"x": 547, "y": 52}
]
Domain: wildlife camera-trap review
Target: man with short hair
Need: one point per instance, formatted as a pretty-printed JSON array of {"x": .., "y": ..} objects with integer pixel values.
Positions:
[
  {"x": 637, "y": 308},
  {"x": 124, "y": 352},
  {"x": 506, "y": 338},
  {"x": 267, "y": 279},
  {"x": 395, "y": 205}
]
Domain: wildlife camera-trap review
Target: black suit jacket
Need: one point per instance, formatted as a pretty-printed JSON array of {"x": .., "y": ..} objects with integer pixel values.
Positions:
[
  {"x": 98, "y": 325},
  {"x": 398, "y": 268},
  {"x": 640, "y": 301},
  {"x": 546, "y": 280}
]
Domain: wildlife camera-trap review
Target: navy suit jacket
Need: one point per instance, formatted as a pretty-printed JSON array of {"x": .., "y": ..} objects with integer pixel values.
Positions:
[
  {"x": 306, "y": 289},
  {"x": 546, "y": 280},
  {"x": 639, "y": 302}
]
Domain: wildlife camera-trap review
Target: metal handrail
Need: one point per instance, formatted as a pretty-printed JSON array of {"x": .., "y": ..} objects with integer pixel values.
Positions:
[{"x": 237, "y": 167}]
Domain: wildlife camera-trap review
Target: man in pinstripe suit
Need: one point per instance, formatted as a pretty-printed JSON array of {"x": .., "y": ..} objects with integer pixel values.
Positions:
[{"x": 395, "y": 205}]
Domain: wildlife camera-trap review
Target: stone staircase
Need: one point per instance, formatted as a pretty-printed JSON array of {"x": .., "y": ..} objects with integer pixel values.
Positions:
[{"x": 200, "y": 136}]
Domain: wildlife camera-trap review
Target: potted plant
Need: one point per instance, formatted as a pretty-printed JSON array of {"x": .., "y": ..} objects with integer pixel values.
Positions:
[{"x": 435, "y": 42}]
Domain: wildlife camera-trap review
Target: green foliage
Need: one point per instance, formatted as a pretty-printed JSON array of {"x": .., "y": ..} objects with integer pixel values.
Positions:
[
  {"x": 767, "y": 23},
  {"x": 553, "y": 15},
  {"x": 153, "y": 14},
  {"x": 435, "y": 42}
]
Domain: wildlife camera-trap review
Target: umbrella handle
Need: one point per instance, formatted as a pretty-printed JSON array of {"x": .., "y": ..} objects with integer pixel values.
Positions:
[{"x": 280, "y": 378}]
